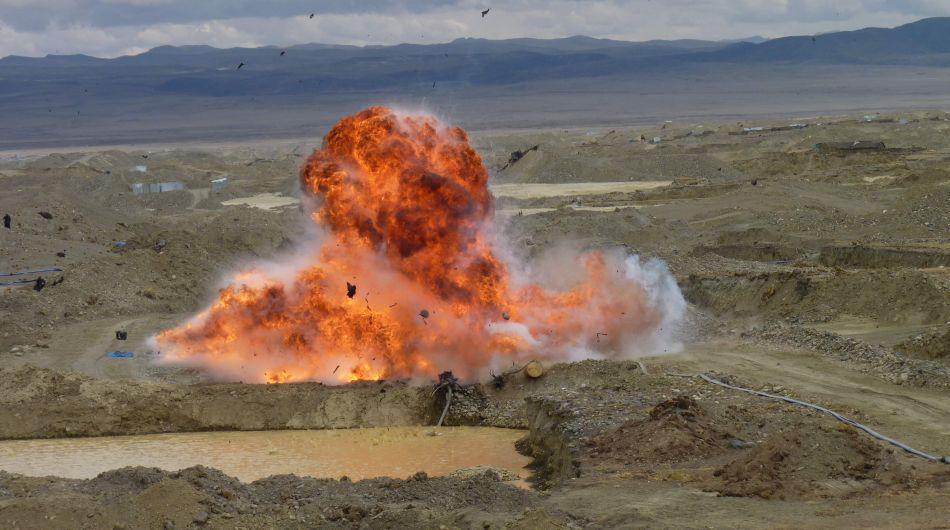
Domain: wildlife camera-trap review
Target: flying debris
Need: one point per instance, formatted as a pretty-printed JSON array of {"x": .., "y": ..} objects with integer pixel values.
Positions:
[
  {"x": 350, "y": 290},
  {"x": 311, "y": 15},
  {"x": 283, "y": 52},
  {"x": 485, "y": 12},
  {"x": 405, "y": 207},
  {"x": 240, "y": 66}
]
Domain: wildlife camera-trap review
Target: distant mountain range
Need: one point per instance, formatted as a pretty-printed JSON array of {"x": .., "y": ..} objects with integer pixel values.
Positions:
[{"x": 207, "y": 71}]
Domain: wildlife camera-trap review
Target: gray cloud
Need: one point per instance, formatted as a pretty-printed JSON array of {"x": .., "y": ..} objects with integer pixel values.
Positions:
[{"x": 116, "y": 27}]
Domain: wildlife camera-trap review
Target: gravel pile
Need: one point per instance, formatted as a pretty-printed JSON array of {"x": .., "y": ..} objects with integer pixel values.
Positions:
[{"x": 890, "y": 365}]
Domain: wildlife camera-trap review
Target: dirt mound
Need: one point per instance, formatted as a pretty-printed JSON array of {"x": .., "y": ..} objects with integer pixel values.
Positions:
[
  {"x": 827, "y": 462},
  {"x": 677, "y": 430},
  {"x": 137, "y": 497},
  {"x": 933, "y": 345},
  {"x": 889, "y": 365}
]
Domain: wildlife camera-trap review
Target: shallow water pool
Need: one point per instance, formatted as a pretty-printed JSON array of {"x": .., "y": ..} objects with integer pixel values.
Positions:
[{"x": 356, "y": 453}]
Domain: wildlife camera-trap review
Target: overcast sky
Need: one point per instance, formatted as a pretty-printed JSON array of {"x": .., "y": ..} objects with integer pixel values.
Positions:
[{"x": 108, "y": 28}]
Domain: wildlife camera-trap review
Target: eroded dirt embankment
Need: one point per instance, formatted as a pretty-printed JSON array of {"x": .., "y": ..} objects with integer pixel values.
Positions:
[
  {"x": 38, "y": 403},
  {"x": 555, "y": 459},
  {"x": 858, "y": 256},
  {"x": 903, "y": 295}
]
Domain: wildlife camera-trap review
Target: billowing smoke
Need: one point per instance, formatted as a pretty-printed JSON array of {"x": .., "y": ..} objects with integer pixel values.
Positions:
[{"x": 406, "y": 281}]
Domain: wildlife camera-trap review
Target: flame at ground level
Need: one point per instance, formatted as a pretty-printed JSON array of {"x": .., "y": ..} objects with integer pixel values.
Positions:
[{"x": 405, "y": 203}]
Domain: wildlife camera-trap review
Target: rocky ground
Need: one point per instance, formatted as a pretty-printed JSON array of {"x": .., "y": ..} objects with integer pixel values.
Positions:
[{"x": 819, "y": 273}]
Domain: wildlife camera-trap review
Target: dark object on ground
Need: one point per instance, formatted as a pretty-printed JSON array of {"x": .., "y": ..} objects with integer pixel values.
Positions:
[
  {"x": 60, "y": 254},
  {"x": 240, "y": 66},
  {"x": 160, "y": 246},
  {"x": 40, "y": 284},
  {"x": 120, "y": 354},
  {"x": 7, "y": 220},
  {"x": 498, "y": 381},
  {"x": 311, "y": 15},
  {"x": 144, "y": 156},
  {"x": 755, "y": 181},
  {"x": 46, "y": 215},
  {"x": 283, "y": 53},
  {"x": 485, "y": 12},
  {"x": 424, "y": 313},
  {"x": 505, "y": 315},
  {"x": 350, "y": 290},
  {"x": 515, "y": 156},
  {"x": 448, "y": 379},
  {"x": 121, "y": 335}
]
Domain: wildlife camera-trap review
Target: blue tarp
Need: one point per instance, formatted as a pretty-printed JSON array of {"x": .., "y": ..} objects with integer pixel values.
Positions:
[{"x": 121, "y": 354}]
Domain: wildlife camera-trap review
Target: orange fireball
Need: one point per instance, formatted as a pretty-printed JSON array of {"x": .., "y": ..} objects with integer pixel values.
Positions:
[{"x": 406, "y": 204}]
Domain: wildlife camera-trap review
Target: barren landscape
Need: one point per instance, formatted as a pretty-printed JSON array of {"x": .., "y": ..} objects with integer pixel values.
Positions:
[{"x": 813, "y": 253}]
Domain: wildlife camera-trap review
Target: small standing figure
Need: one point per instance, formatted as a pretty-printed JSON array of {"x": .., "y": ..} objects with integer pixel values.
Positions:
[{"x": 7, "y": 220}]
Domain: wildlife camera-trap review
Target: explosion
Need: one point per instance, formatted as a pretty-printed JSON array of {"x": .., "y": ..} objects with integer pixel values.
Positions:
[{"x": 408, "y": 280}]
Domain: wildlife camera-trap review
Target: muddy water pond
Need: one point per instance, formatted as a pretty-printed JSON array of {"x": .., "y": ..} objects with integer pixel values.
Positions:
[{"x": 356, "y": 453}]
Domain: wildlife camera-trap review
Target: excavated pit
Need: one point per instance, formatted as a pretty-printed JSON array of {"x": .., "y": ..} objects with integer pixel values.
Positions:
[
  {"x": 252, "y": 455},
  {"x": 74, "y": 426}
]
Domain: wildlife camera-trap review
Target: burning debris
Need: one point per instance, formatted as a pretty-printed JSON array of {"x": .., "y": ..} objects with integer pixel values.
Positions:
[
  {"x": 405, "y": 203},
  {"x": 517, "y": 155}
]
